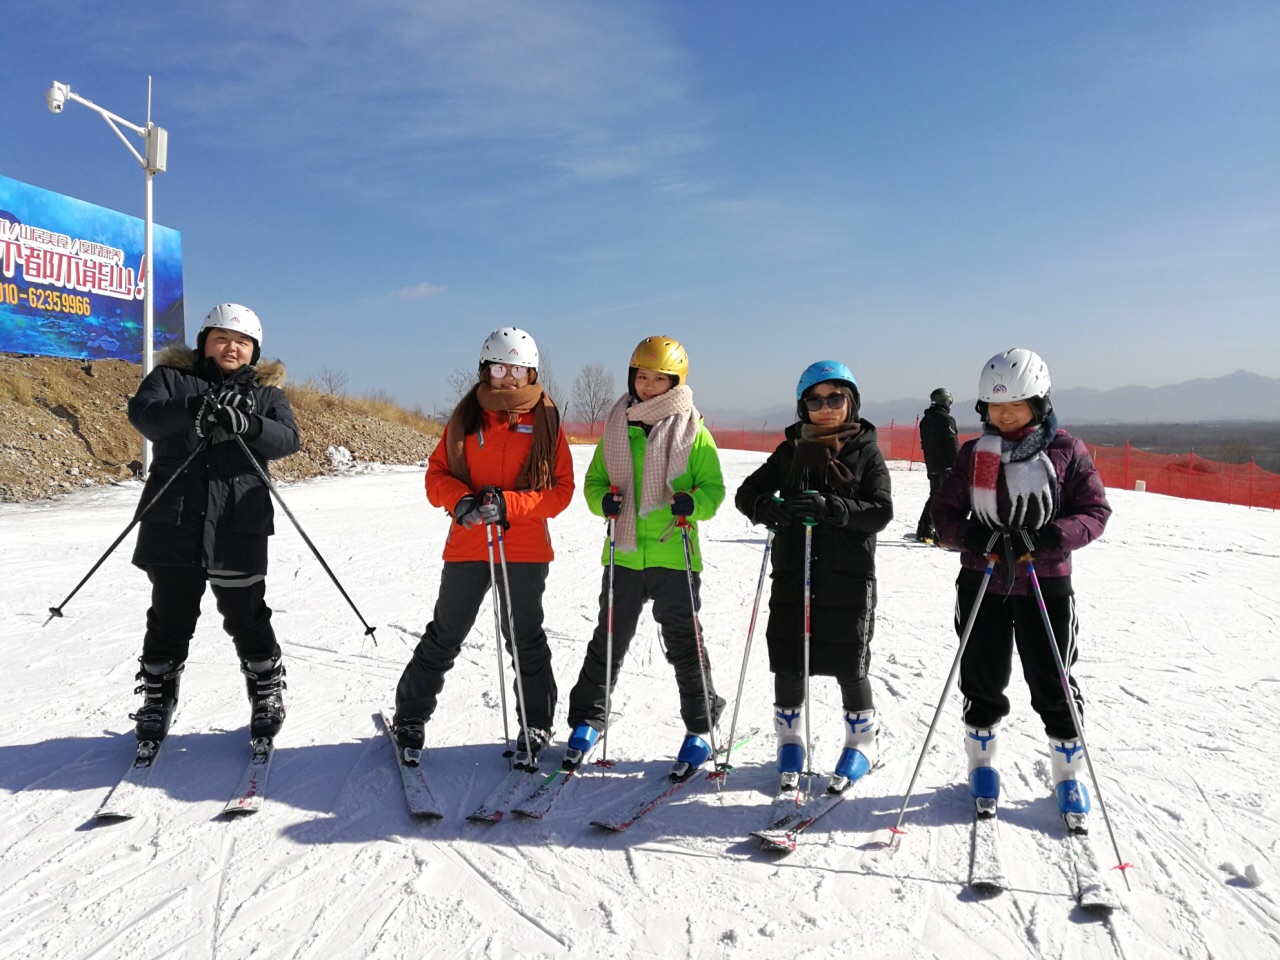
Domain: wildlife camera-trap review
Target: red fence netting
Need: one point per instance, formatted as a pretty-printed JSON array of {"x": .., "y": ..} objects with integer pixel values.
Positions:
[{"x": 1174, "y": 474}]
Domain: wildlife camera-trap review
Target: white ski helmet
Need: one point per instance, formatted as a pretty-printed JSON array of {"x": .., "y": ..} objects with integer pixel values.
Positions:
[
  {"x": 510, "y": 345},
  {"x": 233, "y": 316},
  {"x": 1017, "y": 374}
]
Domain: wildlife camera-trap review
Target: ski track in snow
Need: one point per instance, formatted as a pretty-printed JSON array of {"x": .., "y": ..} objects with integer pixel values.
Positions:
[{"x": 1179, "y": 667}]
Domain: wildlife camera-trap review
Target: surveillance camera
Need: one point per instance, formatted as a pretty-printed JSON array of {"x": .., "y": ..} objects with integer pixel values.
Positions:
[{"x": 56, "y": 97}]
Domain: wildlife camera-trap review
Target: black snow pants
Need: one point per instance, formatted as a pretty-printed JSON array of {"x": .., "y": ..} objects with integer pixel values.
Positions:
[
  {"x": 463, "y": 585},
  {"x": 987, "y": 664},
  {"x": 175, "y": 608},
  {"x": 669, "y": 591}
]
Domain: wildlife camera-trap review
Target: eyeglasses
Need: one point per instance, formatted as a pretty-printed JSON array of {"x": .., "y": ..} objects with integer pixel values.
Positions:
[
  {"x": 835, "y": 401},
  {"x": 500, "y": 370}
]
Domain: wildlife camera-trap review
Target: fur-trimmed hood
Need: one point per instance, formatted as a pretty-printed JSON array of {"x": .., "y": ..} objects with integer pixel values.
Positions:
[{"x": 270, "y": 373}]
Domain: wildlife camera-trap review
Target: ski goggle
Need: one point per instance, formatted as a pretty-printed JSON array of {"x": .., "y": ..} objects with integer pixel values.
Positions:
[
  {"x": 835, "y": 401},
  {"x": 500, "y": 370}
]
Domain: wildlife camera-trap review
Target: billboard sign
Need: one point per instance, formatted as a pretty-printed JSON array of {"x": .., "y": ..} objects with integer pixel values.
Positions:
[{"x": 72, "y": 274}]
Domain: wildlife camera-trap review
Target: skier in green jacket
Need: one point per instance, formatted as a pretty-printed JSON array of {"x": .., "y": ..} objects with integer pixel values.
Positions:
[{"x": 655, "y": 471}]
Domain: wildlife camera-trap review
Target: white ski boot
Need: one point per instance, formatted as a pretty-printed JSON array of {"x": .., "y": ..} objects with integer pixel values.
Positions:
[
  {"x": 861, "y": 744},
  {"x": 981, "y": 745},
  {"x": 1066, "y": 758},
  {"x": 786, "y": 724}
]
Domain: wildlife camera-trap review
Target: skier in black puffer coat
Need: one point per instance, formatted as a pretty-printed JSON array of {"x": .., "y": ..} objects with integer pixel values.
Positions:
[
  {"x": 212, "y": 524},
  {"x": 828, "y": 473}
]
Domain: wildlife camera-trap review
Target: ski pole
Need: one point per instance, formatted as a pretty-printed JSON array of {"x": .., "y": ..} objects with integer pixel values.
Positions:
[
  {"x": 1071, "y": 703},
  {"x": 497, "y": 639},
  {"x": 683, "y": 524},
  {"x": 515, "y": 646},
  {"x": 604, "y": 760},
  {"x": 808, "y": 568},
  {"x": 368, "y": 630},
  {"x": 57, "y": 611},
  {"x": 746, "y": 653},
  {"x": 955, "y": 668}
]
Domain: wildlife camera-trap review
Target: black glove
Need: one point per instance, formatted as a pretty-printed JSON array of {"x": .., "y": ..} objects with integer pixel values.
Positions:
[
  {"x": 205, "y": 420},
  {"x": 466, "y": 513},
  {"x": 1046, "y": 538},
  {"x": 493, "y": 506},
  {"x": 980, "y": 539},
  {"x": 770, "y": 512},
  {"x": 237, "y": 396},
  {"x": 611, "y": 504},
  {"x": 682, "y": 505},
  {"x": 809, "y": 506},
  {"x": 231, "y": 421}
]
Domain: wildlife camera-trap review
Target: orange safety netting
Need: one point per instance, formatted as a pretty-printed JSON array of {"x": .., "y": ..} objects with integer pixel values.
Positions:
[{"x": 1174, "y": 474}]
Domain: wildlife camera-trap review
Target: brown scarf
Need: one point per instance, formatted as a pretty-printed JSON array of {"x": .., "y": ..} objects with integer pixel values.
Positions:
[
  {"x": 816, "y": 452},
  {"x": 538, "y": 472}
]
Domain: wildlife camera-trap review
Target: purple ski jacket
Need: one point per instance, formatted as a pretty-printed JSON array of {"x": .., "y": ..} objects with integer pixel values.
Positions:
[{"x": 1080, "y": 519}]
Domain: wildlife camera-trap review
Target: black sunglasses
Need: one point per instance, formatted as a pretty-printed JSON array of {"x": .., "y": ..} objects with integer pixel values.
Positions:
[{"x": 835, "y": 401}]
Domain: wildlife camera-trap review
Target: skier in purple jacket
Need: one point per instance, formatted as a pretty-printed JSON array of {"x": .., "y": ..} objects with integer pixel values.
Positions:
[{"x": 1024, "y": 474}]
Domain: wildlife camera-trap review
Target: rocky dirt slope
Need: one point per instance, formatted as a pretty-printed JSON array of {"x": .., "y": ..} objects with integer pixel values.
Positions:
[{"x": 63, "y": 426}]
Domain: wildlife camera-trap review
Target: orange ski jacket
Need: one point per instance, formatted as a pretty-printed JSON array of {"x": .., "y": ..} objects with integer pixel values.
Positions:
[{"x": 495, "y": 455}]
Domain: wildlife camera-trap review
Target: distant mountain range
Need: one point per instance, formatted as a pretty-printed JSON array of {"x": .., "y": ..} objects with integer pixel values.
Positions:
[{"x": 1236, "y": 396}]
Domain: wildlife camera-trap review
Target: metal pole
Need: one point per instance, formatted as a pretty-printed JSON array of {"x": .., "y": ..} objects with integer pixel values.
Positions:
[
  {"x": 497, "y": 639},
  {"x": 683, "y": 524},
  {"x": 368, "y": 630},
  {"x": 1071, "y": 704},
  {"x": 608, "y": 650},
  {"x": 515, "y": 646},
  {"x": 148, "y": 306},
  {"x": 955, "y": 668},
  {"x": 808, "y": 737},
  {"x": 57, "y": 611},
  {"x": 746, "y": 652}
]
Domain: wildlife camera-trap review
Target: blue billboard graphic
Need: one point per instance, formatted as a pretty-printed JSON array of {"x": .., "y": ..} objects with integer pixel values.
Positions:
[{"x": 72, "y": 275}]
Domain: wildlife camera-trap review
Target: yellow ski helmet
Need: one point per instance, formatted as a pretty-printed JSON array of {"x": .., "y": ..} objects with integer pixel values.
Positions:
[{"x": 661, "y": 355}]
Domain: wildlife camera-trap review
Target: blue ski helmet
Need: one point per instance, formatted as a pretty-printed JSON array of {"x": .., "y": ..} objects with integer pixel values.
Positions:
[{"x": 823, "y": 371}]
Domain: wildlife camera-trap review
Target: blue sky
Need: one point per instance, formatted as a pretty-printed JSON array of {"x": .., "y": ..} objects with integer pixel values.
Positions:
[{"x": 908, "y": 187}]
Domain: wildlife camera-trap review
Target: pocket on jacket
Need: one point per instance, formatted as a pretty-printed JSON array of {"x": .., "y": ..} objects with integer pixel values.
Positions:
[
  {"x": 251, "y": 509},
  {"x": 168, "y": 510}
]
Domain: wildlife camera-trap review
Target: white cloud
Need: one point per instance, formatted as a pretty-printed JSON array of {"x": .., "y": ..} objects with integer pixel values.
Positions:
[{"x": 418, "y": 291}]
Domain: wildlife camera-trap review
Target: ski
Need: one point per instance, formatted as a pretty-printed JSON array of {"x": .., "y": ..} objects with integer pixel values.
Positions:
[
  {"x": 417, "y": 792},
  {"x": 1091, "y": 891},
  {"x": 125, "y": 797},
  {"x": 663, "y": 790},
  {"x": 986, "y": 869},
  {"x": 780, "y": 835},
  {"x": 516, "y": 784},
  {"x": 251, "y": 793},
  {"x": 538, "y": 803}
]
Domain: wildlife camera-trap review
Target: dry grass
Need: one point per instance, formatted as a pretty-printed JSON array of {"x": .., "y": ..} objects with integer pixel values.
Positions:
[
  {"x": 17, "y": 388},
  {"x": 309, "y": 398}
]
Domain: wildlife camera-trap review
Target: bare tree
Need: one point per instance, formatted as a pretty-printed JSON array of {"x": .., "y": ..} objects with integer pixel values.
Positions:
[
  {"x": 332, "y": 380},
  {"x": 547, "y": 377},
  {"x": 458, "y": 382},
  {"x": 593, "y": 393}
]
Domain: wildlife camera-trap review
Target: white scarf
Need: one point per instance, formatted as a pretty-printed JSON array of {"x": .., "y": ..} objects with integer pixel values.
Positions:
[{"x": 676, "y": 422}]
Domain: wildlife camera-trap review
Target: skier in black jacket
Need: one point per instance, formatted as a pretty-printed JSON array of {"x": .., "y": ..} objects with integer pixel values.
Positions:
[
  {"x": 828, "y": 473},
  {"x": 940, "y": 443},
  {"x": 212, "y": 524}
]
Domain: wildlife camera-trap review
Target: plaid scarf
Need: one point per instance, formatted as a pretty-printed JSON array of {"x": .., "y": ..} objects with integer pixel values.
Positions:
[{"x": 675, "y": 426}]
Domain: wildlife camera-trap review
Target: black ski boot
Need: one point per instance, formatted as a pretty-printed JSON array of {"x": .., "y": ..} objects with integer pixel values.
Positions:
[
  {"x": 265, "y": 682},
  {"x": 410, "y": 736},
  {"x": 529, "y": 746},
  {"x": 159, "y": 689}
]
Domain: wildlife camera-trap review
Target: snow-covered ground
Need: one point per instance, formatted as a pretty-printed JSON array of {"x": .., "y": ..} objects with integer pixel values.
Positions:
[{"x": 1180, "y": 668}]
